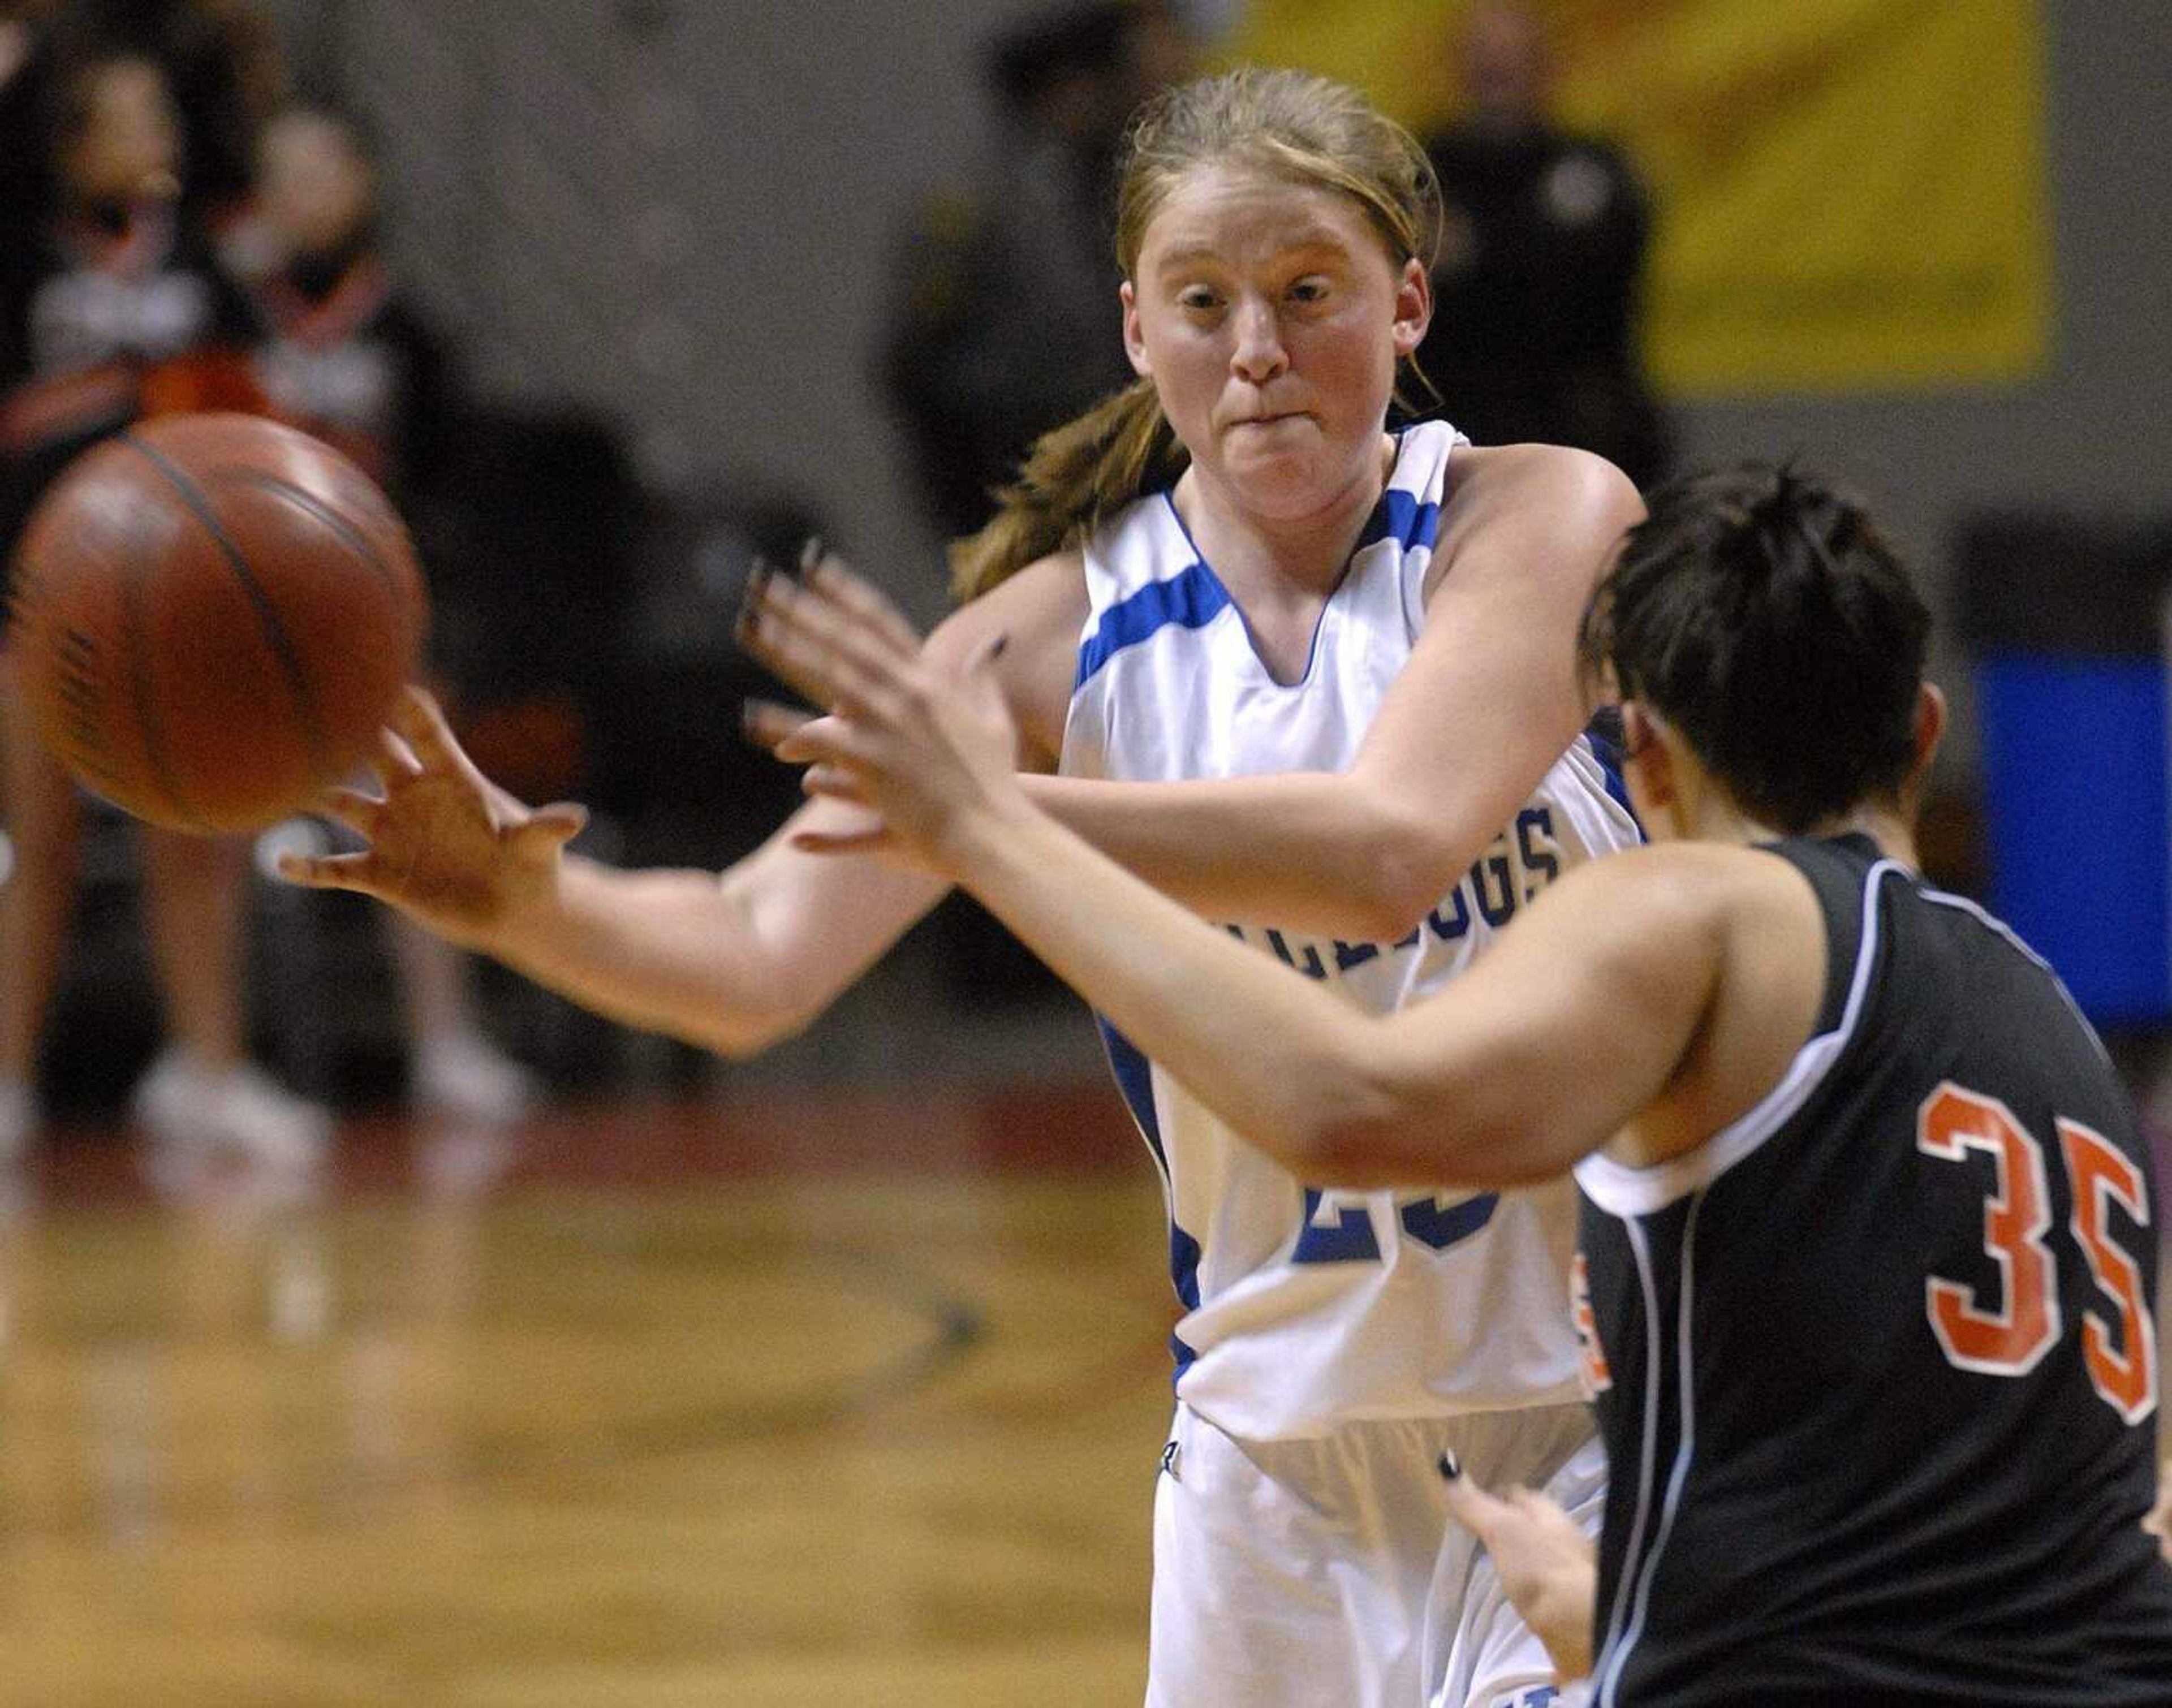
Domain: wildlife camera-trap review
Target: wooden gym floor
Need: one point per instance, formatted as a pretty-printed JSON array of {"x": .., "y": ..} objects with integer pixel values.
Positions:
[
  {"x": 784, "y": 1402},
  {"x": 787, "y": 1402}
]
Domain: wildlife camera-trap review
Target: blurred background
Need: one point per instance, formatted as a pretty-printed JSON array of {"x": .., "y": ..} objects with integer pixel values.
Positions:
[{"x": 592, "y": 1369}]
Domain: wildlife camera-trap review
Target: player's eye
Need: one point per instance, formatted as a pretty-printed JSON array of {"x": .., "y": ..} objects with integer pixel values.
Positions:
[
  {"x": 1196, "y": 297},
  {"x": 1308, "y": 291}
]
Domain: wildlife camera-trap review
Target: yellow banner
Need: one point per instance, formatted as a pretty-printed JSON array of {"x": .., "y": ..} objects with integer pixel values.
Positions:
[{"x": 1850, "y": 193}]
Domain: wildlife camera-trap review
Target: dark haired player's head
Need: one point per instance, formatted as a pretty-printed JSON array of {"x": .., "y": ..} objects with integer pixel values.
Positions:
[{"x": 1761, "y": 616}]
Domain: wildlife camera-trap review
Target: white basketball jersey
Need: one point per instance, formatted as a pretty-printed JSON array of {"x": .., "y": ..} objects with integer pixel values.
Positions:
[{"x": 1309, "y": 1307}]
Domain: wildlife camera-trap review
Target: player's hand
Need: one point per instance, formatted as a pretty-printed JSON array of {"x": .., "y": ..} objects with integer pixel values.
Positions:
[
  {"x": 2158, "y": 1523},
  {"x": 1548, "y": 1567},
  {"x": 932, "y": 750},
  {"x": 444, "y": 843}
]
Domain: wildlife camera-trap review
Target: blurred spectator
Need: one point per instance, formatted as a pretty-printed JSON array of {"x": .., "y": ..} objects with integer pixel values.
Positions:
[
  {"x": 1536, "y": 289},
  {"x": 336, "y": 351},
  {"x": 338, "y": 354},
  {"x": 1006, "y": 321},
  {"x": 225, "y": 69},
  {"x": 225, "y": 66},
  {"x": 115, "y": 300}
]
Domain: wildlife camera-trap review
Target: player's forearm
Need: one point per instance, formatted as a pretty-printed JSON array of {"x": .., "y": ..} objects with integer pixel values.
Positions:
[
  {"x": 1311, "y": 852},
  {"x": 1278, "y": 1057},
  {"x": 667, "y": 951}
]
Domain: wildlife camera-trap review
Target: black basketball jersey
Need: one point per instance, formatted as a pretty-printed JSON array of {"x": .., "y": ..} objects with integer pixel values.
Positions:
[
  {"x": 86, "y": 312},
  {"x": 1874, "y": 1364}
]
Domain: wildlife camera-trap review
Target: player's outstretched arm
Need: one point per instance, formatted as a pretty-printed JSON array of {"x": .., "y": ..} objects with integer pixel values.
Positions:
[
  {"x": 1521, "y": 1066},
  {"x": 1485, "y": 704},
  {"x": 732, "y": 962},
  {"x": 1548, "y": 1568}
]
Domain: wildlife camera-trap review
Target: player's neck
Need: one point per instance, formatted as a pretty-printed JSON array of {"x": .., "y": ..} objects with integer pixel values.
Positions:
[
  {"x": 1719, "y": 820},
  {"x": 1260, "y": 556}
]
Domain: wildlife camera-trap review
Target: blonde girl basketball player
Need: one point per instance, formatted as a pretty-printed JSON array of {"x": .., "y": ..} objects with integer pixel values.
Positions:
[{"x": 1315, "y": 681}]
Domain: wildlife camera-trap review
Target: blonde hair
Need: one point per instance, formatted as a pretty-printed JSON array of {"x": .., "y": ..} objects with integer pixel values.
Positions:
[{"x": 1287, "y": 125}]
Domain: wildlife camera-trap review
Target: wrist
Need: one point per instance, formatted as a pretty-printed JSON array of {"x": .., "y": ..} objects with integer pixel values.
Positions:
[
  {"x": 535, "y": 913},
  {"x": 984, "y": 836}
]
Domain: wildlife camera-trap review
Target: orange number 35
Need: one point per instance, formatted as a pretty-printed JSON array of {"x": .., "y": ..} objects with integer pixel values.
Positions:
[{"x": 2013, "y": 1339}]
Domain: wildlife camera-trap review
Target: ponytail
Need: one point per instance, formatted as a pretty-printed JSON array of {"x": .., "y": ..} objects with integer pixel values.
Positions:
[{"x": 1119, "y": 450}]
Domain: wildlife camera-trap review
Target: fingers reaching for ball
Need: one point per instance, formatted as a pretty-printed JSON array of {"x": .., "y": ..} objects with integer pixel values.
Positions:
[
  {"x": 443, "y": 843},
  {"x": 358, "y": 812},
  {"x": 348, "y": 872},
  {"x": 419, "y": 721}
]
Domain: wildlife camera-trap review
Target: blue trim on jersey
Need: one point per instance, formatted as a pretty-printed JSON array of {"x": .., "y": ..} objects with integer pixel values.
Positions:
[
  {"x": 1206, "y": 569},
  {"x": 1135, "y": 1079},
  {"x": 1399, "y": 516},
  {"x": 1609, "y": 757},
  {"x": 1183, "y": 1271},
  {"x": 1193, "y": 597}
]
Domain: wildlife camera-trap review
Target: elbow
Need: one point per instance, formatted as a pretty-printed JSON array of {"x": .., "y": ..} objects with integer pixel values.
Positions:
[
  {"x": 1370, "y": 1151},
  {"x": 741, "y": 1037},
  {"x": 1390, "y": 912},
  {"x": 1351, "y": 1132},
  {"x": 1405, "y": 857},
  {"x": 1385, "y": 1130},
  {"x": 1347, "y": 1152},
  {"x": 1403, "y": 880}
]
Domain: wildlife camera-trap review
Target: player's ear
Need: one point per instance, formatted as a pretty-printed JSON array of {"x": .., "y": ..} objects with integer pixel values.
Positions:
[
  {"x": 1413, "y": 307},
  {"x": 1930, "y": 725},
  {"x": 1930, "y": 728},
  {"x": 1648, "y": 764},
  {"x": 1135, "y": 347}
]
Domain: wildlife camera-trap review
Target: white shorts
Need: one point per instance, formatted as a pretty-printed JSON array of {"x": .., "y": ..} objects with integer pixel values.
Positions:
[{"x": 1292, "y": 1574}]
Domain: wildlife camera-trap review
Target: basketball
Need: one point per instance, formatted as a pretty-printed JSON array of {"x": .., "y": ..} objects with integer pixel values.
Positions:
[{"x": 212, "y": 617}]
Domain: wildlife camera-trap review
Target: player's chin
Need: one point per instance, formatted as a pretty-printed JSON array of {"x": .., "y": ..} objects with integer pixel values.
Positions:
[{"x": 1290, "y": 481}]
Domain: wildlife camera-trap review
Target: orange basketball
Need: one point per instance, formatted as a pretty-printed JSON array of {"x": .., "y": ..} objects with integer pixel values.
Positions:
[{"x": 212, "y": 617}]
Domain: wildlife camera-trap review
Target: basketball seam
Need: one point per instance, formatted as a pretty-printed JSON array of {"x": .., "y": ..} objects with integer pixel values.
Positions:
[
  {"x": 274, "y": 631},
  {"x": 322, "y": 511},
  {"x": 139, "y": 685}
]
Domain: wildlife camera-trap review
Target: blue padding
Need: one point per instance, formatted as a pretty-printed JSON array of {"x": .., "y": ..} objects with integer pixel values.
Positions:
[{"x": 2074, "y": 762}]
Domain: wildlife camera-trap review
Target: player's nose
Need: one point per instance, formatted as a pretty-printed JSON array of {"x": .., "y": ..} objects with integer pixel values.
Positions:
[{"x": 1258, "y": 354}]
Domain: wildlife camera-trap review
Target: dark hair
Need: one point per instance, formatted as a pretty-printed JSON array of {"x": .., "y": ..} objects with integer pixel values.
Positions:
[{"x": 1759, "y": 612}]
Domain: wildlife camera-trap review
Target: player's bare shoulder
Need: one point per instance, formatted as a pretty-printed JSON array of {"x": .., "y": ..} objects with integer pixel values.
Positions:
[
  {"x": 1746, "y": 897},
  {"x": 1039, "y": 612},
  {"x": 1550, "y": 509},
  {"x": 1521, "y": 472},
  {"x": 1767, "y": 928}
]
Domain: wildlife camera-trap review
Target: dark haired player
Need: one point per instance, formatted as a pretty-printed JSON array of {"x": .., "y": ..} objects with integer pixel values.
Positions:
[{"x": 1865, "y": 1211}]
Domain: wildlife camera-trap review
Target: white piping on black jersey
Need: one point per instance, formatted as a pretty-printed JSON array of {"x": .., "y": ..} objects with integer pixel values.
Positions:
[
  {"x": 1610, "y": 1675},
  {"x": 1648, "y": 1451},
  {"x": 2006, "y": 933}
]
